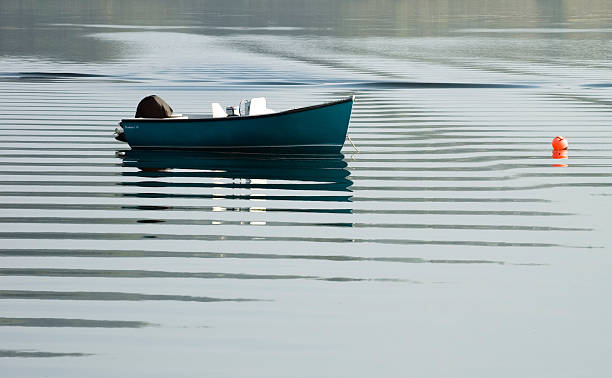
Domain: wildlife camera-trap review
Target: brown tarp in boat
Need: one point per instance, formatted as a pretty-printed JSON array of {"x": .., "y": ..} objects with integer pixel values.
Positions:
[{"x": 153, "y": 107}]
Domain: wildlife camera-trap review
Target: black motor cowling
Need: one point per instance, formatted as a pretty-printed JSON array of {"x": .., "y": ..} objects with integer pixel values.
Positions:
[{"x": 153, "y": 107}]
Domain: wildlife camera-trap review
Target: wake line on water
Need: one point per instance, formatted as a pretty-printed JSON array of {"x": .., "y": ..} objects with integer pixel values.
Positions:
[
  {"x": 235, "y": 255},
  {"x": 71, "y": 323},
  {"x": 381, "y": 84},
  {"x": 49, "y": 272},
  {"x": 435, "y": 85},
  {"x": 51, "y": 235},
  {"x": 51, "y": 74},
  {"x": 60, "y": 76},
  {"x": 34, "y": 354},
  {"x": 110, "y": 296},
  {"x": 378, "y": 84}
]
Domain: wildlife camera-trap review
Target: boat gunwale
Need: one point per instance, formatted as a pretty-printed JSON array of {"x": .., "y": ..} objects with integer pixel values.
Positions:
[{"x": 233, "y": 118}]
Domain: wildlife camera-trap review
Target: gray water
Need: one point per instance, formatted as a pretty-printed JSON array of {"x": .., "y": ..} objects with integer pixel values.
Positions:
[{"x": 450, "y": 244}]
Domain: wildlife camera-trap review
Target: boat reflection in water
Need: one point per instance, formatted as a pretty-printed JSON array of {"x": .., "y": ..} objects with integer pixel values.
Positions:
[{"x": 236, "y": 177}]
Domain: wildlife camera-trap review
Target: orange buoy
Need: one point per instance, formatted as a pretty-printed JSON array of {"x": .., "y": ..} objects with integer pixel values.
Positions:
[{"x": 559, "y": 143}]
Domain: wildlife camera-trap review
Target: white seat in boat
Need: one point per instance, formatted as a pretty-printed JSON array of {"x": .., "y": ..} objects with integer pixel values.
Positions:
[
  {"x": 217, "y": 110},
  {"x": 258, "y": 106}
]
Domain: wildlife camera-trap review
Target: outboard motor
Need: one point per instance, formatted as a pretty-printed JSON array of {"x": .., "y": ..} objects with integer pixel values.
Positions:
[{"x": 153, "y": 107}]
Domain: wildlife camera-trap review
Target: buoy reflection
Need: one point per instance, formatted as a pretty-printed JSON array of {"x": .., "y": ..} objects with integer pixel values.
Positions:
[{"x": 559, "y": 154}]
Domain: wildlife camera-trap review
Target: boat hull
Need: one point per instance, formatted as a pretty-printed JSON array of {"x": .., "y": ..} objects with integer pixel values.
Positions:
[{"x": 315, "y": 129}]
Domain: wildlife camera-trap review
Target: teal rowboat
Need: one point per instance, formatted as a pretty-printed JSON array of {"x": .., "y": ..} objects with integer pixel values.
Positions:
[{"x": 313, "y": 129}]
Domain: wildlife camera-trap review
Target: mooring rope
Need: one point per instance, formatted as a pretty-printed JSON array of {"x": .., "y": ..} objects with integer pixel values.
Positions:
[{"x": 353, "y": 144}]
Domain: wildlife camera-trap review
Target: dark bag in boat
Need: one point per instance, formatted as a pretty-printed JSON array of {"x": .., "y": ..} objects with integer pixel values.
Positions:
[{"x": 153, "y": 107}]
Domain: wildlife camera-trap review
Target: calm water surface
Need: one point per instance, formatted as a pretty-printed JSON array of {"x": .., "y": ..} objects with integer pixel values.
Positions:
[{"x": 450, "y": 244}]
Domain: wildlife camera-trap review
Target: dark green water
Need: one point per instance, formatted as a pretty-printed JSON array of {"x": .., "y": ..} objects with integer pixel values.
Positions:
[{"x": 451, "y": 244}]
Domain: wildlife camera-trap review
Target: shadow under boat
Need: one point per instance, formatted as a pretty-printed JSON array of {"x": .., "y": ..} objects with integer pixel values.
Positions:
[{"x": 245, "y": 171}]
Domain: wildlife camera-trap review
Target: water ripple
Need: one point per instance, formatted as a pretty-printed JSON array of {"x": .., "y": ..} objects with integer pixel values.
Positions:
[
  {"x": 38, "y": 354},
  {"x": 72, "y": 323},
  {"x": 108, "y": 296},
  {"x": 229, "y": 237}
]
